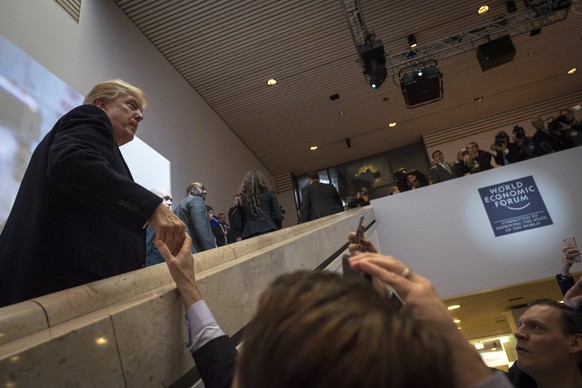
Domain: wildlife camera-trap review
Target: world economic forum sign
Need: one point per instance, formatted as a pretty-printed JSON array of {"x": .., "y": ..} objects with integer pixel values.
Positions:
[{"x": 515, "y": 206}]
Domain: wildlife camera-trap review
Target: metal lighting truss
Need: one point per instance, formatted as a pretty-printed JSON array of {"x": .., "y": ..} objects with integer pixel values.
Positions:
[
  {"x": 541, "y": 13},
  {"x": 357, "y": 25}
]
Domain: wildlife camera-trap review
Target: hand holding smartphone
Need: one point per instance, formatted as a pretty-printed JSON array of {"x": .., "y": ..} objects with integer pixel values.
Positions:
[
  {"x": 346, "y": 268},
  {"x": 348, "y": 272},
  {"x": 570, "y": 242}
]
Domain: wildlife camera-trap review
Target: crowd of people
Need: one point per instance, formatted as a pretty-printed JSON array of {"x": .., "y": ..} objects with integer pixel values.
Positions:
[
  {"x": 552, "y": 135},
  {"x": 416, "y": 343},
  {"x": 79, "y": 217},
  {"x": 256, "y": 211},
  {"x": 560, "y": 133}
]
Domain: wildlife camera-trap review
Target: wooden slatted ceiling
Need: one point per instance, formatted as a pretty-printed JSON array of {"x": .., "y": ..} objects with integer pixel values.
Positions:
[{"x": 227, "y": 49}]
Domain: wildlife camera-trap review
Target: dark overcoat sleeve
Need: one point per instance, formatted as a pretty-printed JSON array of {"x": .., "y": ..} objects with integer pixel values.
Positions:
[
  {"x": 215, "y": 362},
  {"x": 80, "y": 164}
]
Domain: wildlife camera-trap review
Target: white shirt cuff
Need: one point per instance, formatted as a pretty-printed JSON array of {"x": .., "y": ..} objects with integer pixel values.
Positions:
[{"x": 202, "y": 327}]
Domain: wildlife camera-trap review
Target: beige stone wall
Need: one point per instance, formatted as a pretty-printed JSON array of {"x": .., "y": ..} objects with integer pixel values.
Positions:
[{"x": 129, "y": 330}]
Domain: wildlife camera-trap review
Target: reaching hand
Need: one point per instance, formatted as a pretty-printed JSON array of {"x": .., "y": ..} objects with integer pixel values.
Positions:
[
  {"x": 416, "y": 292},
  {"x": 363, "y": 246},
  {"x": 422, "y": 302},
  {"x": 168, "y": 227},
  {"x": 570, "y": 256},
  {"x": 181, "y": 268}
]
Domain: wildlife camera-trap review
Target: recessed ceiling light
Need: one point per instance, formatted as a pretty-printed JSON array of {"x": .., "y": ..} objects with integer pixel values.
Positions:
[
  {"x": 483, "y": 9},
  {"x": 392, "y": 124},
  {"x": 272, "y": 82},
  {"x": 572, "y": 71},
  {"x": 454, "y": 306},
  {"x": 478, "y": 99},
  {"x": 479, "y": 346},
  {"x": 457, "y": 320},
  {"x": 313, "y": 148}
]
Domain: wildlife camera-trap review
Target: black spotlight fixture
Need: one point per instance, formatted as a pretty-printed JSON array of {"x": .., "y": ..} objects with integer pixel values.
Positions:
[
  {"x": 421, "y": 83},
  {"x": 511, "y": 6},
  {"x": 412, "y": 41},
  {"x": 374, "y": 59},
  {"x": 378, "y": 74},
  {"x": 495, "y": 53}
]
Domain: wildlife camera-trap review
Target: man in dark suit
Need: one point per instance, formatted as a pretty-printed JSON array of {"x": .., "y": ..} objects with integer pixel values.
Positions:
[
  {"x": 440, "y": 170},
  {"x": 545, "y": 142},
  {"x": 234, "y": 214},
  {"x": 79, "y": 216},
  {"x": 319, "y": 199},
  {"x": 481, "y": 159}
]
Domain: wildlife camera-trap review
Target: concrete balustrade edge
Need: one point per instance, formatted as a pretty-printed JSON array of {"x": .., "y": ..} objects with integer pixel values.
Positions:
[{"x": 131, "y": 326}]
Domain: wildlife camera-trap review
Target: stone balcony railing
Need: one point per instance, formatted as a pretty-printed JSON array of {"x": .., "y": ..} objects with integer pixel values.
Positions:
[{"x": 129, "y": 330}]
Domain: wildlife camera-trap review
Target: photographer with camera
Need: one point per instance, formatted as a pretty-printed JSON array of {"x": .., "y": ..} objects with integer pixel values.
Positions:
[
  {"x": 504, "y": 151},
  {"x": 568, "y": 128},
  {"x": 525, "y": 143},
  {"x": 545, "y": 141},
  {"x": 478, "y": 160},
  {"x": 409, "y": 179},
  {"x": 461, "y": 165},
  {"x": 360, "y": 198}
]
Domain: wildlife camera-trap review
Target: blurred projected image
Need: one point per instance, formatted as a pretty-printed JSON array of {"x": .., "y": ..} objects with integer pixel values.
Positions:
[{"x": 31, "y": 101}]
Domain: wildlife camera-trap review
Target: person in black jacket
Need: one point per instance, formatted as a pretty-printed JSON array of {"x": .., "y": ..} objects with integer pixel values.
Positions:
[
  {"x": 260, "y": 209},
  {"x": 319, "y": 199},
  {"x": 545, "y": 141},
  {"x": 234, "y": 214},
  {"x": 481, "y": 160},
  {"x": 79, "y": 216},
  {"x": 505, "y": 152}
]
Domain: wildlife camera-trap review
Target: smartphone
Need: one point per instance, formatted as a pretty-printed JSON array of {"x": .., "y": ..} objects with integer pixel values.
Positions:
[
  {"x": 359, "y": 228},
  {"x": 348, "y": 272},
  {"x": 570, "y": 241}
]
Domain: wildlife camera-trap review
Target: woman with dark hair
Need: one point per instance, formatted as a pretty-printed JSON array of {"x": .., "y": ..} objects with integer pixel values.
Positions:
[{"x": 260, "y": 209}]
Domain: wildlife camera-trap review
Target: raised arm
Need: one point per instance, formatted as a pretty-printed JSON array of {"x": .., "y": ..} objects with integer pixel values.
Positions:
[
  {"x": 421, "y": 299},
  {"x": 213, "y": 352}
]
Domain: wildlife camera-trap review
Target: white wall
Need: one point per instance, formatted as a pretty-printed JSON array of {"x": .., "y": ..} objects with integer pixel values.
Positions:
[
  {"x": 104, "y": 45},
  {"x": 442, "y": 231}
]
